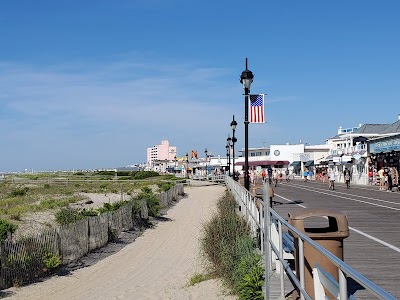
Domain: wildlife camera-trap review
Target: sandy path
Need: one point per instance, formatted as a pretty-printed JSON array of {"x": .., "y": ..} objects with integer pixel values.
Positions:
[{"x": 157, "y": 265}]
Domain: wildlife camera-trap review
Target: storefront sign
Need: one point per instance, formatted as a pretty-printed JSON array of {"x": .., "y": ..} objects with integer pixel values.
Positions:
[{"x": 385, "y": 146}]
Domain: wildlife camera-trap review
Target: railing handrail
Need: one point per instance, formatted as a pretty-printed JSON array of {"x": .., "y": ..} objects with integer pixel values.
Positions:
[{"x": 345, "y": 268}]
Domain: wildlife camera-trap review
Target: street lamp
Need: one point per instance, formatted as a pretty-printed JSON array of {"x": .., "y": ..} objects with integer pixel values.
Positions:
[
  {"x": 228, "y": 153},
  {"x": 187, "y": 165},
  {"x": 246, "y": 79},
  {"x": 175, "y": 160},
  {"x": 206, "y": 153},
  {"x": 234, "y": 140}
]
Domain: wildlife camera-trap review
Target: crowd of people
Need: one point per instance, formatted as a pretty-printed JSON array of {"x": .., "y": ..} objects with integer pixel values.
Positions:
[{"x": 387, "y": 178}]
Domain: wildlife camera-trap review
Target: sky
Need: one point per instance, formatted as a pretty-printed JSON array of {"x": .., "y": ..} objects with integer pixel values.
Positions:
[{"x": 93, "y": 84}]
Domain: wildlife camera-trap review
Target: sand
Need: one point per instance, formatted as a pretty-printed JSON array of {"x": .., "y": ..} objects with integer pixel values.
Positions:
[{"x": 157, "y": 265}]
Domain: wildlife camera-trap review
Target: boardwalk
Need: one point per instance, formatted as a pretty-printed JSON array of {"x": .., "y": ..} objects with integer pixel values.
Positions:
[{"x": 373, "y": 247}]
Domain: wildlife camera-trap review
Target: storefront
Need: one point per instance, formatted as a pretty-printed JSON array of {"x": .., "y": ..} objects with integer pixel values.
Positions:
[{"x": 384, "y": 153}]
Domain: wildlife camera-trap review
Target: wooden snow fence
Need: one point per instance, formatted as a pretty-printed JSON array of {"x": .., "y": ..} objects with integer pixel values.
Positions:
[
  {"x": 98, "y": 231},
  {"x": 24, "y": 261},
  {"x": 74, "y": 240}
]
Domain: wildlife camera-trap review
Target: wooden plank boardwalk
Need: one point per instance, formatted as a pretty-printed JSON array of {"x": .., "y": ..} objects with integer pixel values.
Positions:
[{"x": 373, "y": 247}]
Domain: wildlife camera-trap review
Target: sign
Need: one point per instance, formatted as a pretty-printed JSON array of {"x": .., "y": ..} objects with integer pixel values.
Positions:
[
  {"x": 304, "y": 157},
  {"x": 385, "y": 146},
  {"x": 357, "y": 156}
]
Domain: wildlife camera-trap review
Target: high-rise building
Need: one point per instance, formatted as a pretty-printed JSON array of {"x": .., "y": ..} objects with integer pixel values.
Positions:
[{"x": 162, "y": 152}]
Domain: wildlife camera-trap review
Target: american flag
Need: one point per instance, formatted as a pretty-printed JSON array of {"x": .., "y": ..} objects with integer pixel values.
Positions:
[{"x": 257, "y": 108}]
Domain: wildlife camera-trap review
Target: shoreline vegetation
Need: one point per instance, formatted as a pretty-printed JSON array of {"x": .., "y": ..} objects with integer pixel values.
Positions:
[
  {"x": 41, "y": 216},
  {"x": 34, "y": 199}
]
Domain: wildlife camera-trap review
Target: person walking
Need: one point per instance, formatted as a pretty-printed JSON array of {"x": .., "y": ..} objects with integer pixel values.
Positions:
[
  {"x": 271, "y": 195},
  {"x": 346, "y": 174},
  {"x": 275, "y": 177},
  {"x": 264, "y": 175},
  {"x": 269, "y": 171},
  {"x": 331, "y": 175},
  {"x": 381, "y": 174},
  {"x": 305, "y": 175},
  {"x": 287, "y": 175}
]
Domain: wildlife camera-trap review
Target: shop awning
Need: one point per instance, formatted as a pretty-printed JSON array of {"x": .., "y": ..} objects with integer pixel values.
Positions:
[
  {"x": 264, "y": 163},
  {"x": 295, "y": 163},
  {"x": 309, "y": 163}
]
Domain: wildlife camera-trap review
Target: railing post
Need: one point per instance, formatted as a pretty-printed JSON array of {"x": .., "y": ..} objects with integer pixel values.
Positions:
[
  {"x": 301, "y": 266},
  {"x": 342, "y": 285},
  {"x": 282, "y": 273}
]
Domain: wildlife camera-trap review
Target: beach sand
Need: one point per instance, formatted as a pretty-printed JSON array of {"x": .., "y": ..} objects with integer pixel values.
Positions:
[{"x": 157, "y": 265}]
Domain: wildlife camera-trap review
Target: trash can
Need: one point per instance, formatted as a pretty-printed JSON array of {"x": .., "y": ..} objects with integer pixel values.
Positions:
[{"x": 328, "y": 228}]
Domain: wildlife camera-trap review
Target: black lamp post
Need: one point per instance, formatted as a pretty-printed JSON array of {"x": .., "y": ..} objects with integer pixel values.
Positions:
[
  {"x": 234, "y": 140},
  {"x": 246, "y": 79},
  {"x": 228, "y": 153},
  {"x": 187, "y": 165},
  {"x": 175, "y": 160},
  {"x": 206, "y": 153}
]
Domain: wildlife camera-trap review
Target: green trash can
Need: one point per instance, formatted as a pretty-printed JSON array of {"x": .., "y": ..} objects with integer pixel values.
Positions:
[{"x": 327, "y": 227}]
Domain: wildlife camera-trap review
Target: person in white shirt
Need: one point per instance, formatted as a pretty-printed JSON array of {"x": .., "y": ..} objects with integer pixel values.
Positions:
[{"x": 331, "y": 174}]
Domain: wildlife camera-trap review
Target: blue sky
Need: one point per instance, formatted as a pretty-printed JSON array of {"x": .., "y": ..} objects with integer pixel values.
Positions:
[{"x": 92, "y": 84}]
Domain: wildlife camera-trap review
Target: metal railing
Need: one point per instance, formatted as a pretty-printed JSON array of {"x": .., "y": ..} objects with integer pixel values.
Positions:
[{"x": 253, "y": 209}]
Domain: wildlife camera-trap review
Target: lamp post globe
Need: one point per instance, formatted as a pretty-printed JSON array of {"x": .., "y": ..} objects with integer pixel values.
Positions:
[{"x": 246, "y": 79}]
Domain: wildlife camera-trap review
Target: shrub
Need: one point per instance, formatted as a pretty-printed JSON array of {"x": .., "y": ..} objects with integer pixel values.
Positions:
[
  {"x": 229, "y": 250},
  {"x": 51, "y": 261},
  {"x": 111, "y": 206},
  {"x": 19, "y": 192},
  {"x": 252, "y": 283},
  {"x": 153, "y": 203},
  {"x": 6, "y": 228},
  {"x": 89, "y": 212},
  {"x": 67, "y": 216},
  {"x": 165, "y": 186}
]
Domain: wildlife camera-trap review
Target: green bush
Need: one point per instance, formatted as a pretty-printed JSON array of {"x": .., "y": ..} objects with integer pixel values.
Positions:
[
  {"x": 229, "y": 250},
  {"x": 6, "y": 227},
  {"x": 165, "y": 186},
  {"x": 19, "y": 192},
  {"x": 111, "y": 206},
  {"x": 252, "y": 283},
  {"x": 67, "y": 216},
  {"x": 51, "y": 261},
  {"x": 153, "y": 203}
]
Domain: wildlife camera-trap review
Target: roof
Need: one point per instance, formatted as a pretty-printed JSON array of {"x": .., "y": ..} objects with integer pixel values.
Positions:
[
  {"x": 372, "y": 128},
  {"x": 393, "y": 128},
  {"x": 264, "y": 163}
]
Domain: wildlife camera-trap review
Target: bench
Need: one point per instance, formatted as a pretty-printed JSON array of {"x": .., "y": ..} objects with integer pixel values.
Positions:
[
  {"x": 287, "y": 245},
  {"x": 288, "y": 242}
]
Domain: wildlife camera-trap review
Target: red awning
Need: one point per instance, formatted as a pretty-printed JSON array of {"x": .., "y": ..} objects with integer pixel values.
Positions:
[{"x": 264, "y": 163}]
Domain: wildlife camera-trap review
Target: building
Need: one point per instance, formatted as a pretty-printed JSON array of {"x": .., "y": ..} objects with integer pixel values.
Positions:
[
  {"x": 296, "y": 157},
  {"x": 160, "y": 155},
  {"x": 364, "y": 148}
]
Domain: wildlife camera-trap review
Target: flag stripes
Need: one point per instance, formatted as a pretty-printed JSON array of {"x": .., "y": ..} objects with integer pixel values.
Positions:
[{"x": 257, "y": 108}]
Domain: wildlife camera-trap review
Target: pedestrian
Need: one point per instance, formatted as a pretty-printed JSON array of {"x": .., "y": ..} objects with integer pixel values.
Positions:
[
  {"x": 381, "y": 176},
  {"x": 275, "y": 177},
  {"x": 287, "y": 175},
  {"x": 269, "y": 171},
  {"x": 346, "y": 174},
  {"x": 389, "y": 182},
  {"x": 331, "y": 175},
  {"x": 305, "y": 175},
  {"x": 264, "y": 175},
  {"x": 271, "y": 195},
  {"x": 280, "y": 175},
  {"x": 370, "y": 177}
]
